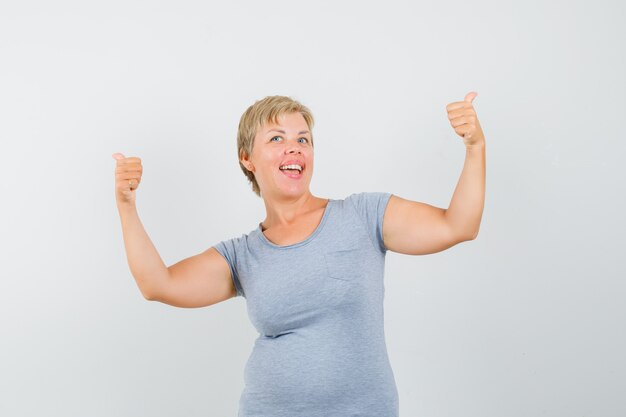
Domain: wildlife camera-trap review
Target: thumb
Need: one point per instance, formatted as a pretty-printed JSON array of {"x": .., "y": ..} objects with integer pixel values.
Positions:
[
  {"x": 117, "y": 156},
  {"x": 470, "y": 96}
]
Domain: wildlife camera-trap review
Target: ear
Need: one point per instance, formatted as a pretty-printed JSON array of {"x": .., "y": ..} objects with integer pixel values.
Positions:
[{"x": 245, "y": 161}]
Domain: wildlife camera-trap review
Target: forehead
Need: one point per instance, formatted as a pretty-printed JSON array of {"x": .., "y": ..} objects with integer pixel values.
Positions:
[{"x": 293, "y": 123}]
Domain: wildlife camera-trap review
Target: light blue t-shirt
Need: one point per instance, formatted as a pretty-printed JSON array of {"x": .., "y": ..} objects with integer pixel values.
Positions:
[{"x": 318, "y": 308}]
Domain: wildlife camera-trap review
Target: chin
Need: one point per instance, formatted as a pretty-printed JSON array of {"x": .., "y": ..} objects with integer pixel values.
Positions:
[{"x": 295, "y": 190}]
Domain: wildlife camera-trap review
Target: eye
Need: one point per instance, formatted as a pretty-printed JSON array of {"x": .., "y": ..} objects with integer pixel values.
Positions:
[{"x": 274, "y": 137}]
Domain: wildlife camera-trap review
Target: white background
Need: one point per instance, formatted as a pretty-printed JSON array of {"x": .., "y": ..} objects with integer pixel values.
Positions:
[{"x": 526, "y": 320}]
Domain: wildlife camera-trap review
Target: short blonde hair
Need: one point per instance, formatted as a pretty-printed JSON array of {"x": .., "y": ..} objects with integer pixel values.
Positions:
[{"x": 261, "y": 112}]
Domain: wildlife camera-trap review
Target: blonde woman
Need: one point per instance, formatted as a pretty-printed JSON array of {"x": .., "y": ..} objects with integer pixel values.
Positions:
[{"x": 312, "y": 271}]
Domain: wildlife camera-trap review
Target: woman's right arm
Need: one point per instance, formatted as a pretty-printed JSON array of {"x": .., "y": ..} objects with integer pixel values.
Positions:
[{"x": 198, "y": 281}]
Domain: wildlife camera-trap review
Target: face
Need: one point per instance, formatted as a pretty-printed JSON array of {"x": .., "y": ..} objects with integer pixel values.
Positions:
[{"x": 276, "y": 145}]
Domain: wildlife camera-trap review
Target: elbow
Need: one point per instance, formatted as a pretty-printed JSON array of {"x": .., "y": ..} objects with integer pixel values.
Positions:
[
  {"x": 464, "y": 237},
  {"x": 149, "y": 296}
]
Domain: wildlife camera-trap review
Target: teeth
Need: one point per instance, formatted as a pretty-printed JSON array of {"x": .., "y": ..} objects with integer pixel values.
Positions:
[{"x": 293, "y": 166}]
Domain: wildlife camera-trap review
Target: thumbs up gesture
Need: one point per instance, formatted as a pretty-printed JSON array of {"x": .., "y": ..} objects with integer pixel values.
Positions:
[
  {"x": 463, "y": 119},
  {"x": 127, "y": 178}
]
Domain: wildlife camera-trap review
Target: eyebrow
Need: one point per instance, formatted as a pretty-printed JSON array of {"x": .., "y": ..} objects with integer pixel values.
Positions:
[{"x": 283, "y": 132}]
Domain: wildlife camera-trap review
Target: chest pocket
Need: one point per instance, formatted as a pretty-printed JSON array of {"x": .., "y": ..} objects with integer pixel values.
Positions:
[{"x": 344, "y": 264}]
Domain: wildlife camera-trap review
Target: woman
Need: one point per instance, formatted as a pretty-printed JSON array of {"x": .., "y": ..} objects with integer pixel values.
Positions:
[{"x": 312, "y": 272}]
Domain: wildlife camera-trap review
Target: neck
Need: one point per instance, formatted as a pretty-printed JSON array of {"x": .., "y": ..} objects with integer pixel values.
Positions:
[{"x": 286, "y": 212}]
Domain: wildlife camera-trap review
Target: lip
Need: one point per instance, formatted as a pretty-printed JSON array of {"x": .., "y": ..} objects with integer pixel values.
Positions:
[
  {"x": 293, "y": 176},
  {"x": 290, "y": 175}
]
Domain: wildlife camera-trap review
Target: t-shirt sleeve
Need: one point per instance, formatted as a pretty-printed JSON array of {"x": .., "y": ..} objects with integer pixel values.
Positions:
[
  {"x": 370, "y": 207},
  {"x": 228, "y": 249}
]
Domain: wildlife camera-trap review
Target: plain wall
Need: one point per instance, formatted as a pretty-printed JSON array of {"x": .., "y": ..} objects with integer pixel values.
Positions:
[{"x": 526, "y": 320}]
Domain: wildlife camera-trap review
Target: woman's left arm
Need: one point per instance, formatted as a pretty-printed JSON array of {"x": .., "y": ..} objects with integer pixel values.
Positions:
[
  {"x": 466, "y": 207},
  {"x": 416, "y": 228}
]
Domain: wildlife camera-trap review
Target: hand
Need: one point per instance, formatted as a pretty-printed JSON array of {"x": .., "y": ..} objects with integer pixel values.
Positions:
[
  {"x": 464, "y": 120},
  {"x": 127, "y": 178}
]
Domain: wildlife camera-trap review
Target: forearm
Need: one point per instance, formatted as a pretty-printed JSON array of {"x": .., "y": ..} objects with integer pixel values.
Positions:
[
  {"x": 466, "y": 206},
  {"x": 144, "y": 261}
]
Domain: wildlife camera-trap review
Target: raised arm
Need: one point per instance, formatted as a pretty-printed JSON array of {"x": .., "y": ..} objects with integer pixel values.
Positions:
[
  {"x": 415, "y": 228},
  {"x": 198, "y": 281}
]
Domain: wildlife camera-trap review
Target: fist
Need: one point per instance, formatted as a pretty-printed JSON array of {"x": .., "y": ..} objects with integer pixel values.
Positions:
[
  {"x": 127, "y": 178},
  {"x": 463, "y": 119}
]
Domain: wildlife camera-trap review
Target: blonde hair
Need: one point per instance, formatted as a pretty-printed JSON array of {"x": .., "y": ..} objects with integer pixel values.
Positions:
[{"x": 261, "y": 112}]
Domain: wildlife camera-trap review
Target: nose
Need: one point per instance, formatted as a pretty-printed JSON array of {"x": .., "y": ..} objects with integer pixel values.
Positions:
[{"x": 294, "y": 148}]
